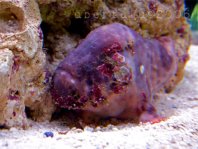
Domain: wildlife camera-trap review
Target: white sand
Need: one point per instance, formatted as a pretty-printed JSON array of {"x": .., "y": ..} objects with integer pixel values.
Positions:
[{"x": 179, "y": 131}]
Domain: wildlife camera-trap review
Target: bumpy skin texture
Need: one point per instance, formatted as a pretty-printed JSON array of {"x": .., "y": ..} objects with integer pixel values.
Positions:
[
  {"x": 150, "y": 18},
  {"x": 114, "y": 72}
]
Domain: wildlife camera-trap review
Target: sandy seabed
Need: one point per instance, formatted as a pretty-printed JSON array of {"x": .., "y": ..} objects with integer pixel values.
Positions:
[{"x": 180, "y": 130}]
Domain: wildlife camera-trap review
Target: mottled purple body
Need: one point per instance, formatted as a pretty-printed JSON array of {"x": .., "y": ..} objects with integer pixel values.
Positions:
[{"x": 113, "y": 73}]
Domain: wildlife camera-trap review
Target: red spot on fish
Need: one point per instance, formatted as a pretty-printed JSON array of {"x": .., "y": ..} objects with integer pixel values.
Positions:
[
  {"x": 106, "y": 69},
  {"x": 115, "y": 47},
  {"x": 118, "y": 57}
]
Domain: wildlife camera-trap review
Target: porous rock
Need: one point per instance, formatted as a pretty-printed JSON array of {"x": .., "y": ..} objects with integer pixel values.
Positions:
[{"x": 22, "y": 63}]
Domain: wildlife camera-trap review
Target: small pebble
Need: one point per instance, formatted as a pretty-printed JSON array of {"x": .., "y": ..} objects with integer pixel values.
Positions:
[
  {"x": 115, "y": 129},
  {"x": 49, "y": 134},
  {"x": 98, "y": 128},
  {"x": 59, "y": 138},
  {"x": 174, "y": 106},
  {"x": 88, "y": 129},
  {"x": 13, "y": 129}
]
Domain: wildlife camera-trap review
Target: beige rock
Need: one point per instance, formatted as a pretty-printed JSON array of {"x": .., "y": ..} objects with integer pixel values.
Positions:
[{"x": 22, "y": 63}]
